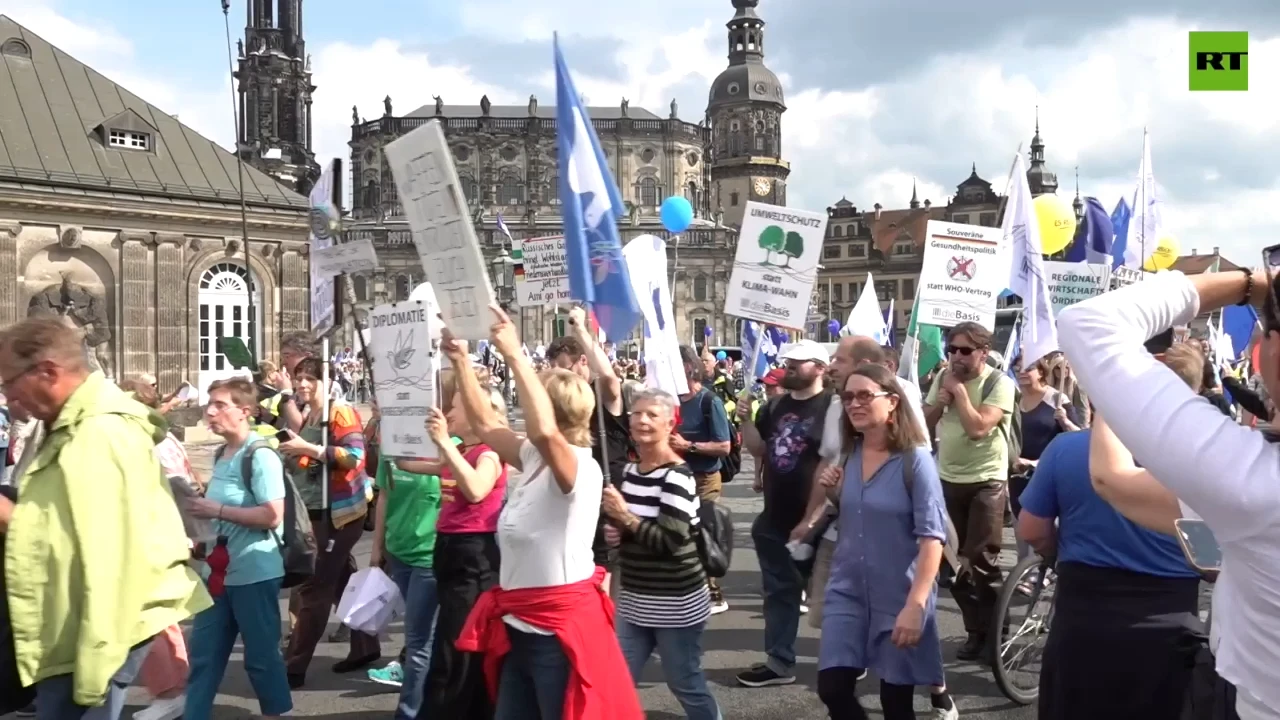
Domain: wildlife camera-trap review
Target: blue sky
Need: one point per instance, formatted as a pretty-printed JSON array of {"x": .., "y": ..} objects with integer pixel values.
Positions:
[{"x": 881, "y": 94}]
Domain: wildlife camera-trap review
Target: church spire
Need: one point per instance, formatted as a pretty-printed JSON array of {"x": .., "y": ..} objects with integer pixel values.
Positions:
[
  {"x": 915, "y": 197},
  {"x": 1078, "y": 203},
  {"x": 1042, "y": 181},
  {"x": 746, "y": 34}
]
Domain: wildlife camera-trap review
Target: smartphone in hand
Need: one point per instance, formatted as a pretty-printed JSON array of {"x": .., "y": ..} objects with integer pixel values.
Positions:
[{"x": 1199, "y": 547}]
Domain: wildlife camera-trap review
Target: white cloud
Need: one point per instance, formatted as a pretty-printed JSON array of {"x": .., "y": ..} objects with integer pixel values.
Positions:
[{"x": 1094, "y": 97}]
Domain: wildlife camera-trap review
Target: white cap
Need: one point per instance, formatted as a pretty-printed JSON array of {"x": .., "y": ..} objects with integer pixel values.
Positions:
[{"x": 806, "y": 351}]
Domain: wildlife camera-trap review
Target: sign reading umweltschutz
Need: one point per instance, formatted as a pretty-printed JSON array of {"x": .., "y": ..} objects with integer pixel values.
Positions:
[
  {"x": 776, "y": 264},
  {"x": 963, "y": 273}
]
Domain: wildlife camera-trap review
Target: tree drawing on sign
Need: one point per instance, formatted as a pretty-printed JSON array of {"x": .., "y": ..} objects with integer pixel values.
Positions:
[
  {"x": 772, "y": 240},
  {"x": 792, "y": 247}
]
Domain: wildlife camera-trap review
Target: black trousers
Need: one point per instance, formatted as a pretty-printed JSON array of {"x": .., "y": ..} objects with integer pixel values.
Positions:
[
  {"x": 1122, "y": 645},
  {"x": 466, "y": 564}
]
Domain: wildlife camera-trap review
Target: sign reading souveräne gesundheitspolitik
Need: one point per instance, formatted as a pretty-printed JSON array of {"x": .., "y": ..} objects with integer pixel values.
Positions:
[
  {"x": 776, "y": 265},
  {"x": 963, "y": 273}
]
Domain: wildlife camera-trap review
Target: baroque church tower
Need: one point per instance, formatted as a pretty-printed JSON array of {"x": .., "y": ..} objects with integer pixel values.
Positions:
[
  {"x": 744, "y": 112},
  {"x": 274, "y": 85}
]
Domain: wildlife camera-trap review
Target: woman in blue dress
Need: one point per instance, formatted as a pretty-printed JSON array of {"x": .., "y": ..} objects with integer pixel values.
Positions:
[{"x": 881, "y": 600}]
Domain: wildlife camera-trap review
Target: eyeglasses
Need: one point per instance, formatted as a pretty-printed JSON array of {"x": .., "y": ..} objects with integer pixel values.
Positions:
[
  {"x": 10, "y": 382},
  {"x": 862, "y": 397},
  {"x": 965, "y": 351}
]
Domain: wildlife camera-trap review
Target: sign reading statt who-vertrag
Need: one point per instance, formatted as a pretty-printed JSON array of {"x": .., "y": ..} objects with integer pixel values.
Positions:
[{"x": 1219, "y": 61}]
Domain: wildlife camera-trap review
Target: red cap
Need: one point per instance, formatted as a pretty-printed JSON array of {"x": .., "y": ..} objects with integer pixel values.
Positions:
[{"x": 773, "y": 377}]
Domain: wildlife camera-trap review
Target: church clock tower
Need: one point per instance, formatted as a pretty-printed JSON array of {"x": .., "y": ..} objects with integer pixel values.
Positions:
[
  {"x": 274, "y": 86},
  {"x": 744, "y": 111}
]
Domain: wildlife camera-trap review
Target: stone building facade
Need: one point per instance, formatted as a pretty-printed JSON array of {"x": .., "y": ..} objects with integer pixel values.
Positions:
[
  {"x": 889, "y": 244},
  {"x": 117, "y": 216},
  {"x": 506, "y": 160}
]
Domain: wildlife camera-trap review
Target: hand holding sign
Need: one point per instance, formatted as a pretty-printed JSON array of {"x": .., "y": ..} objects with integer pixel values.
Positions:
[
  {"x": 452, "y": 347},
  {"x": 503, "y": 333}
]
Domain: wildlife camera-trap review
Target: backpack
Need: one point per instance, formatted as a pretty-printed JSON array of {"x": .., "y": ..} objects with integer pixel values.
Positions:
[
  {"x": 714, "y": 537},
  {"x": 950, "y": 548},
  {"x": 731, "y": 464},
  {"x": 1012, "y": 430},
  {"x": 298, "y": 546}
]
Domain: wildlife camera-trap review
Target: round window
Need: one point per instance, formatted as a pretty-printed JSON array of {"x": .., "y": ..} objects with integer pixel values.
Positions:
[
  {"x": 734, "y": 88},
  {"x": 647, "y": 155},
  {"x": 462, "y": 153}
]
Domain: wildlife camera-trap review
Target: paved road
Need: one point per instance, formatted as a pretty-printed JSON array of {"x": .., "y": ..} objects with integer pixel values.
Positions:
[{"x": 732, "y": 643}]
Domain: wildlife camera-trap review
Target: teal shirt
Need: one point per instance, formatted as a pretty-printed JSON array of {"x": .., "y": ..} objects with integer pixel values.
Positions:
[{"x": 255, "y": 554}]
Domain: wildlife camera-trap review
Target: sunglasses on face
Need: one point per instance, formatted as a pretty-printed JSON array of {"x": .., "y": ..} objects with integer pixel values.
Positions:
[
  {"x": 861, "y": 397},
  {"x": 965, "y": 351}
]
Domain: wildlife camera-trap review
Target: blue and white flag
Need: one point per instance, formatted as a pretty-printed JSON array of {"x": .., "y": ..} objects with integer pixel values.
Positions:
[
  {"x": 1147, "y": 223},
  {"x": 502, "y": 228},
  {"x": 1094, "y": 238},
  {"x": 1120, "y": 218},
  {"x": 1027, "y": 277},
  {"x": 591, "y": 206},
  {"x": 751, "y": 333}
]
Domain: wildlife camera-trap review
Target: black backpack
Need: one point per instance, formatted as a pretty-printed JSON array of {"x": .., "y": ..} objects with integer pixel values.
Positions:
[
  {"x": 714, "y": 537},
  {"x": 297, "y": 543},
  {"x": 731, "y": 464}
]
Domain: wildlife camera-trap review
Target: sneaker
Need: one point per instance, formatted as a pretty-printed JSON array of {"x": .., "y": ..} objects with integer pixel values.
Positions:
[
  {"x": 170, "y": 709},
  {"x": 392, "y": 675},
  {"x": 950, "y": 713},
  {"x": 28, "y": 711},
  {"x": 863, "y": 676},
  {"x": 804, "y": 603},
  {"x": 973, "y": 648},
  {"x": 761, "y": 676},
  {"x": 719, "y": 605}
]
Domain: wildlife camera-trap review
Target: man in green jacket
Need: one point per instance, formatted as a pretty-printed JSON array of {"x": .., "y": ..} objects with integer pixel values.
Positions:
[{"x": 96, "y": 555}]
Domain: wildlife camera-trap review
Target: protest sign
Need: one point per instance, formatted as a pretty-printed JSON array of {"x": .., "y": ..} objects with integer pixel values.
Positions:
[
  {"x": 322, "y": 220},
  {"x": 404, "y": 377},
  {"x": 1071, "y": 282},
  {"x": 437, "y": 213},
  {"x": 963, "y": 273},
  {"x": 541, "y": 275},
  {"x": 776, "y": 264}
]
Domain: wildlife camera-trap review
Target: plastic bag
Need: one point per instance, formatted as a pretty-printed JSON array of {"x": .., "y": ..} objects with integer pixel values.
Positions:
[{"x": 370, "y": 602}]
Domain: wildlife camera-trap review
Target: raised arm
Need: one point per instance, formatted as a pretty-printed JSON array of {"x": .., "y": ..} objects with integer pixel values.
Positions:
[
  {"x": 598, "y": 359},
  {"x": 1103, "y": 338},
  {"x": 539, "y": 414},
  {"x": 491, "y": 429},
  {"x": 1132, "y": 491}
]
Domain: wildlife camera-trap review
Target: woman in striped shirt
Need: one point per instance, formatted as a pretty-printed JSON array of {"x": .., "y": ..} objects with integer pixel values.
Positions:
[{"x": 663, "y": 602}]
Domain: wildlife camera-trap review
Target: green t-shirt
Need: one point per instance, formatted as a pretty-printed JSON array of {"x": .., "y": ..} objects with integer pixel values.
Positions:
[
  {"x": 961, "y": 460},
  {"x": 413, "y": 506}
]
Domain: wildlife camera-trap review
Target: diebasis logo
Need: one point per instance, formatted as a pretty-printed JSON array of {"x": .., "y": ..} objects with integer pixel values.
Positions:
[{"x": 1219, "y": 61}]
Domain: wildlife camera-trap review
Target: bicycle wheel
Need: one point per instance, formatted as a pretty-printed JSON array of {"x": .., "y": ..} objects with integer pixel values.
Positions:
[{"x": 1027, "y": 594}]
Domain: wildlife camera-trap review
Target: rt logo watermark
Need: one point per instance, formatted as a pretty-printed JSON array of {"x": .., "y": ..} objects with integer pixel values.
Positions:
[{"x": 1219, "y": 61}]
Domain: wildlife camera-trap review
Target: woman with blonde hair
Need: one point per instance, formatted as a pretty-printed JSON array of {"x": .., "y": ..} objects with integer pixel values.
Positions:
[
  {"x": 546, "y": 631},
  {"x": 473, "y": 484},
  {"x": 880, "y": 607}
]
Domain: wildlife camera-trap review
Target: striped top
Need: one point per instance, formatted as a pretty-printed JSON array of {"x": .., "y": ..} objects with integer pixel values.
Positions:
[{"x": 663, "y": 581}]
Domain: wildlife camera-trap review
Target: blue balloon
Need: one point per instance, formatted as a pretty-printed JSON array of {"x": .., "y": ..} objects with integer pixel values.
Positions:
[
  {"x": 677, "y": 214},
  {"x": 833, "y": 326},
  {"x": 721, "y": 355}
]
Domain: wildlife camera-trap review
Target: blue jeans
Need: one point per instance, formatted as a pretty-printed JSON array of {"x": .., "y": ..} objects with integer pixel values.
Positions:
[
  {"x": 680, "y": 650},
  {"x": 55, "y": 696},
  {"x": 418, "y": 588},
  {"x": 252, "y": 613},
  {"x": 782, "y": 585},
  {"x": 535, "y": 677}
]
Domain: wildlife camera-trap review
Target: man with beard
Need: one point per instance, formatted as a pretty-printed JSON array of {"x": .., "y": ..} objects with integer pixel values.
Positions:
[
  {"x": 786, "y": 434},
  {"x": 703, "y": 438},
  {"x": 969, "y": 410},
  {"x": 580, "y": 353}
]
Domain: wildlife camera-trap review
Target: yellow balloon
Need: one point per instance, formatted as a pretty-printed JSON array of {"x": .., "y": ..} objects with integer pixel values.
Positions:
[
  {"x": 1165, "y": 255},
  {"x": 1057, "y": 223}
]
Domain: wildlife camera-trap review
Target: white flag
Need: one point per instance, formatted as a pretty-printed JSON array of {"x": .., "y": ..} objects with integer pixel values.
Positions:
[
  {"x": 1027, "y": 279},
  {"x": 1147, "y": 223},
  {"x": 865, "y": 319},
  {"x": 647, "y": 257}
]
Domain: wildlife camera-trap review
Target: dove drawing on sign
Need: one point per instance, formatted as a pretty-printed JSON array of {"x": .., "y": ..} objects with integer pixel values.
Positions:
[{"x": 402, "y": 355}]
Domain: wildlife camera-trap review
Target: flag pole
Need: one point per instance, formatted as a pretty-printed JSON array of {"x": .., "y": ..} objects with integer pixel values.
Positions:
[{"x": 598, "y": 387}]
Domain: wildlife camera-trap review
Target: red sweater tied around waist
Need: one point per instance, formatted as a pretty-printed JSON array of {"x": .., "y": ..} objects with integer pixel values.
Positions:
[{"x": 581, "y": 617}]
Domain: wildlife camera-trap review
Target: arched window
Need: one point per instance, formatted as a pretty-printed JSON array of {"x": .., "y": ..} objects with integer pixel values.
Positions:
[
  {"x": 468, "y": 187},
  {"x": 700, "y": 288},
  {"x": 360, "y": 286},
  {"x": 553, "y": 190},
  {"x": 648, "y": 192},
  {"x": 511, "y": 190},
  {"x": 691, "y": 194},
  {"x": 700, "y": 326},
  {"x": 838, "y": 231},
  {"x": 370, "y": 199},
  {"x": 403, "y": 288}
]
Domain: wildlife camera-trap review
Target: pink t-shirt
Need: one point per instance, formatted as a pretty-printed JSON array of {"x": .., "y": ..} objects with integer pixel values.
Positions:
[{"x": 459, "y": 516}]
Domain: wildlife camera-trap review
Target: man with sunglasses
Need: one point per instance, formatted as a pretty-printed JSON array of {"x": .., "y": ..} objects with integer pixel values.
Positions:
[{"x": 968, "y": 410}]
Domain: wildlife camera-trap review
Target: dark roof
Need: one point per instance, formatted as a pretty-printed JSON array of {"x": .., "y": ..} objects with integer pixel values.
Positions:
[
  {"x": 52, "y": 111},
  {"x": 518, "y": 112}
]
